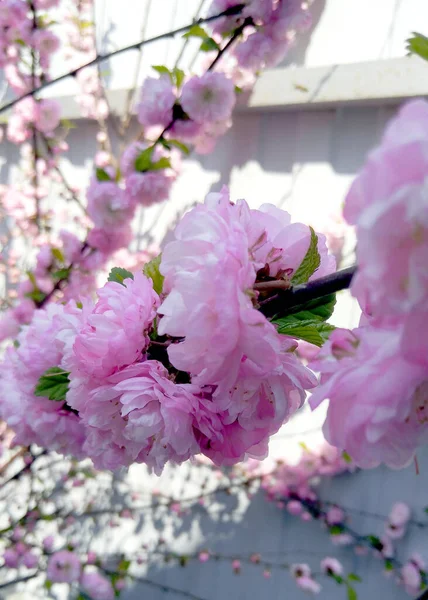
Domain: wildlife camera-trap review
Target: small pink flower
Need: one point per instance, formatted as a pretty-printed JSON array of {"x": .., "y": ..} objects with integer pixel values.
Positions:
[
  {"x": 411, "y": 577},
  {"x": 331, "y": 566},
  {"x": 63, "y": 567},
  {"x": 400, "y": 514},
  {"x": 157, "y": 100},
  {"x": 300, "y": 570},
  {"x": 335, "y": 516},
  {"x": 48, "y": 115},
  {"x": 236, "y": 566},
  {"x": 267, "y": 574},
  {"x": 30, "y": 560},
  {"x": 204, "y": 556},
  {"x": 97, "y": 586},
  {"x": 209, "y": 98},
  {"x": 294, "y": 507},
  {"x": 307, "y": 584},
  {"x": 11, "y": 558}
]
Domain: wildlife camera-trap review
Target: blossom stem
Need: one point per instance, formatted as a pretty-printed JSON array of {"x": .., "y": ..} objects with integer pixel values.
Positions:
[
  {"x": 233, "y": 10},
  {"x": 235, "y": 36},
  {"x": 284, "y": 300}
]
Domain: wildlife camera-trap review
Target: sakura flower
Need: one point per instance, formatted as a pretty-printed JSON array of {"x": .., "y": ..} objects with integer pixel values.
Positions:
[
  {"x": 411, "y": 577},
  {"x": 307, "y": 584},
  {"x": 108, "y": 205},
  {"x": 36, "y": 419},
  {"x": 157, "y": 100},
  {"x": 48, "y": 115},
  {"x": 385, "y": 426},
  {"x": 208, "y": 98},
  {"x": 150, "y": 187},
  {"x": 116, "y": 332},
  {"x": 331, "y": 566},
  {"x": 97, "y": 586},
  {"x": 63, "y": 567}
]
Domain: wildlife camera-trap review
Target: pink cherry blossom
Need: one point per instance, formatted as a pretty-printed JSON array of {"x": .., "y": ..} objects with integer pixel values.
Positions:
[
  {"x": 48, "y": 115},
  {"x": 385, "y": 426},
  {"x": 207, "y": 268},
  {"x": 108, "y": 205},
  {"x": 138, "y": 415},
  {"x": 331, "y": 566},
  {"x": 400, "y": 514},
  {"x": 46, "y": 43},
  {"x": 307, "y": 584},
  {"x": 63, "y": 567},
  {"x": 11, "y": 558},
  {"x": 150, "y": 187},
  {"x": 109, "y": 241},
  {"x": 36, "y": 419},
  {"x": 156, "y": 103},
  {"x": 116, "y": 332},
  {"x": 208, "y": 98},
  {"x": 97, "y": 586},
  {"x": 411, "y": 577}
]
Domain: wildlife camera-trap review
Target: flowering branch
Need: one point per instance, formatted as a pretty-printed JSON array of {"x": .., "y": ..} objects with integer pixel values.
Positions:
[{"x": 233, "y": 10}]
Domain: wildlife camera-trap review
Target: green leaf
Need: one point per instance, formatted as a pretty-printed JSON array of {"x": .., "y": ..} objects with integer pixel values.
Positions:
[
  {"x": 352, "y": 594},
  {"x": 346, "y": 457},
  {"x": 36, "y": 295},
  {"x": 162, "y": 163},
  {"x": 426, "y": 510},
  {"x": 336, "y": 529},
  {"x": 56, "y": 253},
  {"x": 118, "y": 275},
  {"x": 319, "y": 309},
  {"x": 48, "y": 584},
  {"x": 337, "y": 578},
  {"x": 143, "y": 162},
  {"x": 61, "y": 274},
  {"x": 53, "y": 384},
  {"x": 208, "y": 45},
  {"x": 162, "y": 70},
  {"x": 32, "y": 278},
  {"x": 313, "y": 331},
  {"x": 151, "y": 270},
  {"x": 310, "y": 263},
  {"x": 196, "y": 31},
  {"x": 102, "y": 175},
  {"x": 185, "y": 149},
  {"x": 418, "y": 44},
  {"x": 388, "y": 565},
  {"x": 375, "y": 542},
  {"x": 354, "y": 577},
  {"x": 238, "y": 90},
  {"x": 179, "y": 76},
  {"x": 67, "y": 124},
  {"x": 124, "y": 565}
]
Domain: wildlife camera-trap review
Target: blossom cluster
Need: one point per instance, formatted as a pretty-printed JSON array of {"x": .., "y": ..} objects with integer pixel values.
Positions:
[
  {"x": 376, "y": 376},
  {"x": 151, "y": 376},
  {"x": 295, "y": 488}
]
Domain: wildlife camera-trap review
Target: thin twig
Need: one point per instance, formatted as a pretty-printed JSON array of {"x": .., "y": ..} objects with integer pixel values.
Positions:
[
  {"x": 234, "y": 10},
  {"x": 18, "y": 580}
]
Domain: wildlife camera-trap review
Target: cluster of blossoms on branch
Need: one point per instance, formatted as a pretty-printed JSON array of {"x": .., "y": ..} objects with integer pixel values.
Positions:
[
  {"x": 178, "y": 112},
  {"x": 47, "y": 538},
  {"x": 182, "y": 361},
  {"x": 376, "y": 376}
]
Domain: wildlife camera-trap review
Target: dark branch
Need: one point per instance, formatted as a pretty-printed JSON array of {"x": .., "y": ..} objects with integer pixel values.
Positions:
[
  {"x": 233, "y": 10},
  {"x": 284, "y": 300}
]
